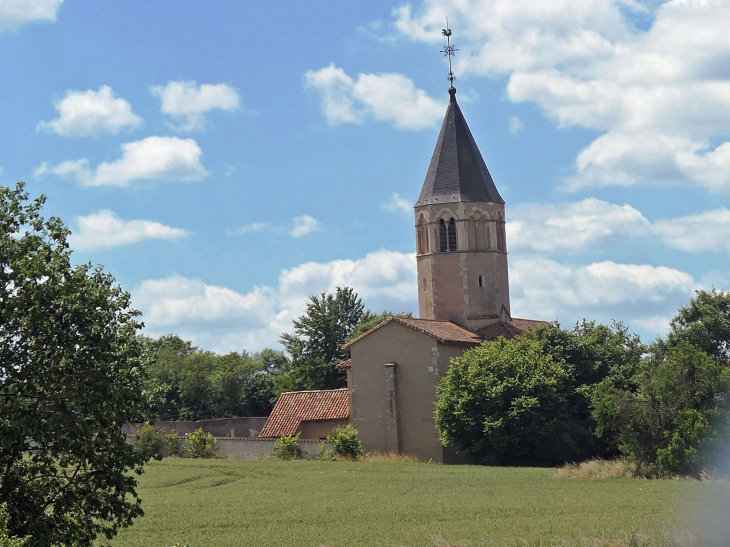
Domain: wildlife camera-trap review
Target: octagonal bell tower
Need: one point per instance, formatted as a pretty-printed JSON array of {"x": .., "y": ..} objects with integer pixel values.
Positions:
[{"x": 461, "y": 248}]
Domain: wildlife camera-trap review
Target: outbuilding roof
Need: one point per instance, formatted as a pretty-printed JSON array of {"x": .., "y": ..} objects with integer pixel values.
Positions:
[{"x": 295, "y": 407}]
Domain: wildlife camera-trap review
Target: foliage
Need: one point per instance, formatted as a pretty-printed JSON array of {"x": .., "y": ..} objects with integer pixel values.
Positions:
[
  {"x": 287, "y": 447},
  {"x": 149, "y": 442},
  {"x": 173, "y": 444},
  {"x": 346, "y": 442},
  {"x": 507, "y": 402},
  {"x": 268, "y": 503},
  {"x": 590, "y": 353},
  {"x": 370, "y": 320},
  {"x": 677, "y": 417},
  {"x": 72, "y": 371},
  {"x": 324, "y": 454},
  {"x": 200, "y": 444},
  {"x": 597, "y": 468},
  {"x": 705, "y": 323},
  {"x": 196, "y": 384},
  {"x": 315, "y": 348},
  {"x": 5, "y": 539}
]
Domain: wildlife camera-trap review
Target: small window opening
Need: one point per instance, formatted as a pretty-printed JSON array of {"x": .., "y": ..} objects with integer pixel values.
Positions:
[
  {"x": 424, "y": 284},
  {"x": 452, "y": 235},
  {"x": 442, "y": 236},
  {"x": 480, "y": 280}
]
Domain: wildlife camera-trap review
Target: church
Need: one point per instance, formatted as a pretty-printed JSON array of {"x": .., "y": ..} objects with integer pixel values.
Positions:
[{"x": 463, "y": 300}]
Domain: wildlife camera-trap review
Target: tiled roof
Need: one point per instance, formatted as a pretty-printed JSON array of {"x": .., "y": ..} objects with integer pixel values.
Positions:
[
  {"x": 524, "y": 324},
  {"x": 445, "y": 332},
  {"x": 344, "y": 365},
  {"x": 294, "y": 407},
  {"x": 494, "y": 331}
]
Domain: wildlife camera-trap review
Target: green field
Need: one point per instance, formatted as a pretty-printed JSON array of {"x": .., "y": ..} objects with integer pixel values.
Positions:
[{"x": 226, "y": 503}]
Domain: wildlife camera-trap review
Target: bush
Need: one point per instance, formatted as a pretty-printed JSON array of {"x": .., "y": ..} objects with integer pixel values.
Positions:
[
  {"x": 200, "y": 445},
  {"x": 346, "y": 442},
  {"x": 286, "y": 447},
  {"x": 326, "y": 455},
  {"x": 149, "y": 442},
  {"x": 173, "y": 444}
]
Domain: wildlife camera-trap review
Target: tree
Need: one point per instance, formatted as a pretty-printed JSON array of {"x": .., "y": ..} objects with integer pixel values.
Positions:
[
  {"x": 507, "y": 402},
  {"x": 676, "y": 420},
  {"x": 590, "y": 353},
  {"x": 705, "y": 322},
  {"x": 315, "y": 348},
  {"x": 72, "y": 371}
]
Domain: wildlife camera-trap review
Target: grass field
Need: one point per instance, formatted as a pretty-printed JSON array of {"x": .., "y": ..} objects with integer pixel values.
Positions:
[{"x": 227, "y": 503}]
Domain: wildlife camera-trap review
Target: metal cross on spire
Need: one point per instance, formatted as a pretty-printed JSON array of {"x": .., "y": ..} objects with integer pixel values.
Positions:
[{"x": 449, "y": 50}]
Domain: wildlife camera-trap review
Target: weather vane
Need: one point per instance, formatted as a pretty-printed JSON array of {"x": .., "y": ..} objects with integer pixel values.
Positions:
[{"x": 449, "y": 50}]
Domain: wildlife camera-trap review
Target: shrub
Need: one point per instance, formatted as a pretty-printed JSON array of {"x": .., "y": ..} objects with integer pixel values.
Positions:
[
  {"x": 346, "y": 441},
  {"x": 149, "y": 442},
  {"x": 286, "y": 447},
  {"x": 326, "y": 455},
  {"x": 173, "y": 444},
  {"x": 200, "y": 445}
]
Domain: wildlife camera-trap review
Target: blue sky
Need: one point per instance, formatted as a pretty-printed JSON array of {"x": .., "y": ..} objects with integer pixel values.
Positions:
[{"x": 225, "y": 160}]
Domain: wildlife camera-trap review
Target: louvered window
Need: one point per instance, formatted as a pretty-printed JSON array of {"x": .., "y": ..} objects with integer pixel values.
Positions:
[
  {"x": 452, "y": 235},
  {"x": 443, "y": 247}
]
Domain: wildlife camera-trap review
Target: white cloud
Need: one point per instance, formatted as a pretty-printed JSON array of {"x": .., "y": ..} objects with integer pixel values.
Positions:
[
  {"x": 252, "y": 228},
  {"x": 105, "y": 229},
  {"x": 515, "y": 125},
  {"x": 14, "y": 13},
  {"x": 635, "y": 293},
  {"x": 224, "y": 320},
  {"x": 398, "y": 204},
  {"x": 658, "y": 94},
  {"x": 84, "y": 113},
  {"x": 385, "y": 97},
  {"x": 187, "y": 102},
  {"x": 594, "y": 225},
  {"x": 304, "y": 225},
  {"x": 581, "y": 226},
  {"x": 151, "y": 158},
  {"x": 708, "y": 231}
]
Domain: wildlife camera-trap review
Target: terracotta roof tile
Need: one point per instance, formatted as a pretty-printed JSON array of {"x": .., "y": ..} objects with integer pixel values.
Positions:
[
  {"x": 524, "y": 324},
  {"x": 494, "y": 331},
  {"x": 294, "y": 407},
  {"x": 444, "y": 331},
  {"x": 344, "y": 365}
]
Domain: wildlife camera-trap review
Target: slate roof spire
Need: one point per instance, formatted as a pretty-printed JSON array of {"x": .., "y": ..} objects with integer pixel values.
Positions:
[{"x": 457, "y": 171}]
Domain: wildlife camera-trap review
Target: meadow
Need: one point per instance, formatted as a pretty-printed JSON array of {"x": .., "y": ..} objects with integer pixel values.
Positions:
[{"x": 227, "y": 503}]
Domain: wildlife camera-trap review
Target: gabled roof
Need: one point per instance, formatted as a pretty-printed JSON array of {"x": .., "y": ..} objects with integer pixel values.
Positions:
[
  {"x": 457, "y": 171},
  {"x": 344, "y": 365},
  {"x": 445, "y": 332},
  {"x": 525, "y": 324},
  {"x": 294, "y": 407},
  {"x": 495, "y": 330}
]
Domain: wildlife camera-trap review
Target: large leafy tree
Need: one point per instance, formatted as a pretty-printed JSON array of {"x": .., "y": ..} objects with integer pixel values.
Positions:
[
  {"x": 507, "y": 402},
  {"x": 315, "y": 347},
  {"x": 72, "y": 372},
  {"x": 705, "y": 323}
]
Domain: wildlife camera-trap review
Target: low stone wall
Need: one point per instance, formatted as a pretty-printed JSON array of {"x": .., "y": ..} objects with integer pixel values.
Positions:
[
  {"x": 221, "y": 427},
  {"x": 246, "y": 448}
]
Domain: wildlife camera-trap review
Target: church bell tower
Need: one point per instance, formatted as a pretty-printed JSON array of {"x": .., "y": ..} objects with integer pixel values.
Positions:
[{"x": 461, "y": 248}]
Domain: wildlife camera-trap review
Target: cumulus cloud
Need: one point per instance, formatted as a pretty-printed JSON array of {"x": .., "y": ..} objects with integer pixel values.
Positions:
[
  {"x": 85, "y": 113},
  {"x": 657, "y": 94},
  {"x": 636, "y": 293},
  {"x": 104, "y": 230},
  {"x": 304, "y": 225},
  {"x": 224, "y": 320},
  {"x": 595, "y": 225},
  {"x": 14, "y": 13},
  {"x": 152, "y": 158},
  {"x": 252, "y": 228},
  {"x": 398, "y": 204},
  {"x": 390, "y": 98},
  {"x": 574, "y": 227},
  {"x": 187, "y": 102},
  {"x": 707, "y": 231}
]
